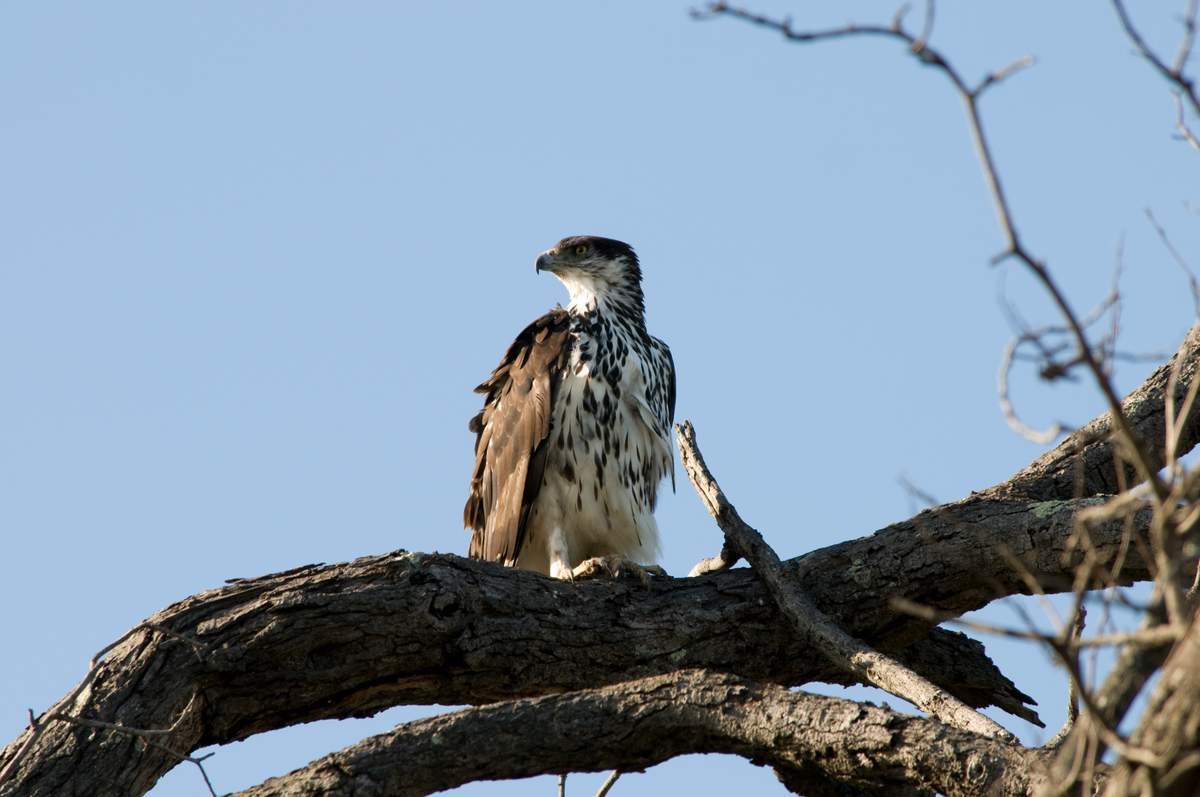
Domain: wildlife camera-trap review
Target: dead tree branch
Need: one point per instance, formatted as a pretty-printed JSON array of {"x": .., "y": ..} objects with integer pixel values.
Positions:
[
  {"x": 641, "y": 723},
  {"x": 811, "y": 623}
]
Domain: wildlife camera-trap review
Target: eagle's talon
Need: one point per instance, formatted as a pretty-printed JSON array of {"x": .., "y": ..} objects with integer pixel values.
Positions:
[
  {"x": 593, "y": 568},
  {"x": 561, "y": 571},
  {"x": 616, "y": 567}
]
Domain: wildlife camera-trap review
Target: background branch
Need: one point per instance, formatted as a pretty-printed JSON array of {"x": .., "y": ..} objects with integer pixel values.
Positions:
[{"x": 641, "y": 723}]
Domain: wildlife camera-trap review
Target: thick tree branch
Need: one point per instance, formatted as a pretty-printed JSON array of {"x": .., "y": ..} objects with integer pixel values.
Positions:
[
  {"x": 638, "y": 724},
  {"x": 352, "y": 639}
]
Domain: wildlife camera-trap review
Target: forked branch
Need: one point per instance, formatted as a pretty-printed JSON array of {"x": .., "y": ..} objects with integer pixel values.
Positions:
[{"x": 817, "y": 629}]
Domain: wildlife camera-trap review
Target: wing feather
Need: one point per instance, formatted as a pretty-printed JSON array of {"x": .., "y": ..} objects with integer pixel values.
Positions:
[
  {"x": 670, "y": 379},
  {"x": 511, "y": 433}
]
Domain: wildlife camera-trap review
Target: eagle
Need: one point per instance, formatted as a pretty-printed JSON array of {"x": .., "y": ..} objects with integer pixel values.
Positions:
[{"x": 574, "y": 435}]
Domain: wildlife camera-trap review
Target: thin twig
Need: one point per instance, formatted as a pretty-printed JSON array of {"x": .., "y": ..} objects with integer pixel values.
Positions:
[
  {"x": 919, "y": 496},
  {"x": 149, "y": 736},
  {"x": 1179, "y": 260},
  {"x": 36, "y": 727},
  {"x": 927, "y": 30},
  {"x": 1072, "y": 689},
  {"x": 1181, "y": 125},
  {"x": 38, "y": 724},
  {"x": 970, "y": 95},
  {"x": 726, "y": 559},
  {"x": 608, "y": 783},
  {"x": 1149, "y": 637},
  {"x": 1039, "y": 437},
  {"x": 1173, "y": 73}
]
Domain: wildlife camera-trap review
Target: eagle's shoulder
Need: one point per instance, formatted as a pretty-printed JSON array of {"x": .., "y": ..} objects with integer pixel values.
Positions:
[
  {"x": 511, "y": 431},
  {"x": 535, "y": 338}
]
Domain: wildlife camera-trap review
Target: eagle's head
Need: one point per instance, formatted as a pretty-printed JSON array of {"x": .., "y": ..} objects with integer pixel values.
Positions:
[{"x": 595, "y": 270}]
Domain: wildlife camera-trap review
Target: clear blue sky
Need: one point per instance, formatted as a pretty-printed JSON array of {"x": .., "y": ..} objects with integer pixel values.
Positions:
[{"x": 254, "y": 256}]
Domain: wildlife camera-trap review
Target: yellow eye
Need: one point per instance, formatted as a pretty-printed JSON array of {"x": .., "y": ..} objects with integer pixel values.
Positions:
[{"x": 581, "y": 250}]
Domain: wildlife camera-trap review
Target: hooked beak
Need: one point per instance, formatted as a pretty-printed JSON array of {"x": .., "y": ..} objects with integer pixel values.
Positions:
[{"x": 545, "y": 261}]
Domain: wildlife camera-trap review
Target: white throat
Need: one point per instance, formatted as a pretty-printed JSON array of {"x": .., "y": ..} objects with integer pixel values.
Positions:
[{"x": 585, "y": 290}]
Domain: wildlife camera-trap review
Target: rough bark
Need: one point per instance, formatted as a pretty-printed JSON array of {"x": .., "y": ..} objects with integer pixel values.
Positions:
[
  {"x": 350, "y": 640},
  {"x": 635, "y": 725}
]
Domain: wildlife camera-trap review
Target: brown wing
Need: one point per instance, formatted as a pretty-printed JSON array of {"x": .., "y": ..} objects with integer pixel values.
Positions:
[{"x": 512, "y": 428}]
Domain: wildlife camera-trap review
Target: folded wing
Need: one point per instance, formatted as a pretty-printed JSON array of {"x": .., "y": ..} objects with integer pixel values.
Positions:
[{"x": 511, "y": 433}]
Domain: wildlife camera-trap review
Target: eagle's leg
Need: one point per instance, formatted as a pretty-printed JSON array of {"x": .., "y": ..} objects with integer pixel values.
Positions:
[
  {"x": 616, "y": 566},
  {"x": 560, "y": 561}
]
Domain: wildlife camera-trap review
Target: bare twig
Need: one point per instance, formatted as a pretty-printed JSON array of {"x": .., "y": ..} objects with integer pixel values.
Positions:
[
  {"x": 1150, "y": 637},
  {"x": 841, "y": 648},
  {"x": 1039, "y": 437},
  {"x": 927, "y": 29},
  {"x": 1173, "y": 72},
  {"x": 726, "y": 559},
  {"x": 36, "y": 727},
  {"x": 37, "y": 724},
  {"x": 919, "y": 496},
  {"x": 148, "y": 736},
  {"x": 1072, "y": 689},
  {"x": 1179, "y": 259},
  {"x": 970, "y": 95},
  {"x": 608, "y": 783},
  {"x": 1181, "y": 125}
]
